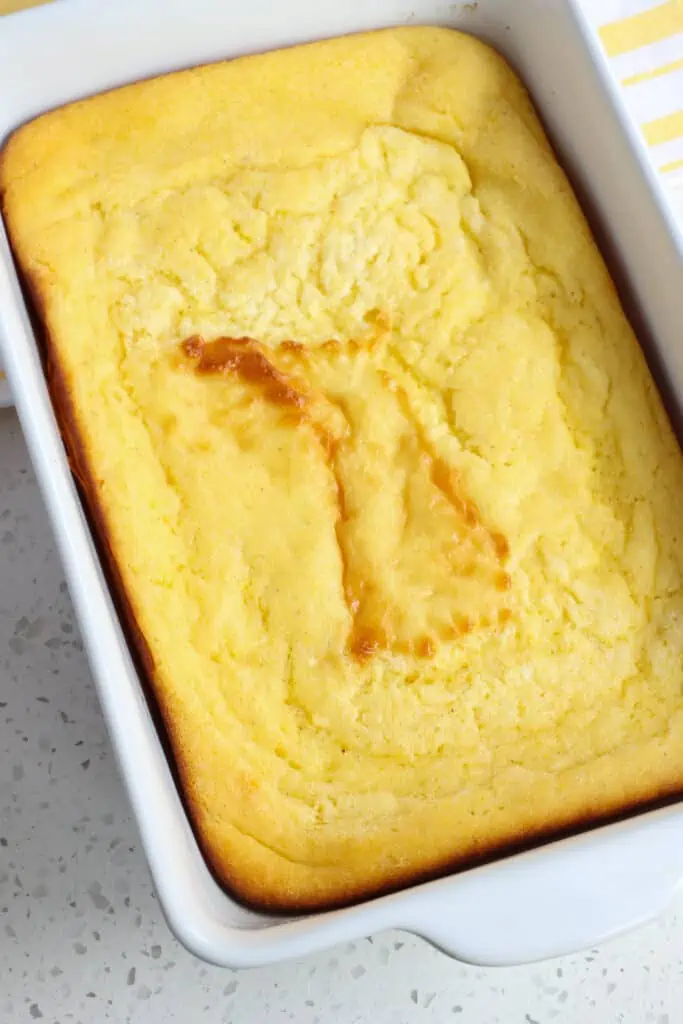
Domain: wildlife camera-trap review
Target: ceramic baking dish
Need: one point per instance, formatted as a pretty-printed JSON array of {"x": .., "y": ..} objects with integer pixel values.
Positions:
[{"x": 564, "y": 895}]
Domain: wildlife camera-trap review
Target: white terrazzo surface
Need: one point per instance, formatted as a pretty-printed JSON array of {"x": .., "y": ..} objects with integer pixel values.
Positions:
[{"x": 82, "y": 938}]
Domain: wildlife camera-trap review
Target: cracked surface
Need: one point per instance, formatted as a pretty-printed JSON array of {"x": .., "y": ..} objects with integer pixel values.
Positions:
[
  {"x": 417, "y": 565},
  {"x": 388, "y": 483}
]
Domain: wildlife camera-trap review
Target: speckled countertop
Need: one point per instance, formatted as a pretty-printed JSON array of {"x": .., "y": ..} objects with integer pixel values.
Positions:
[{"x": 82, "y": 937}]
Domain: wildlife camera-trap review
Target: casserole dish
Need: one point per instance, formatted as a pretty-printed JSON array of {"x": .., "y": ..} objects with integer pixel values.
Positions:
[{"x": 568, "y": 894}]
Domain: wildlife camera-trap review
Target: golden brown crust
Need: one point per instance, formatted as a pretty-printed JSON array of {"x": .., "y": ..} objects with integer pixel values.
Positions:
[{"x": 324, "y": 870}]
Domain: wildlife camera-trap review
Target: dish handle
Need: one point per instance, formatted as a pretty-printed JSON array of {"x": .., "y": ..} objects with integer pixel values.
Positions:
[{"x": 558, "y": 899}]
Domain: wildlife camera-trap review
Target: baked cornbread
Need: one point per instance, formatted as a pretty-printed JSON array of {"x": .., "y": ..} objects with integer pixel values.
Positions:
[{"x": 387, "y": 493}]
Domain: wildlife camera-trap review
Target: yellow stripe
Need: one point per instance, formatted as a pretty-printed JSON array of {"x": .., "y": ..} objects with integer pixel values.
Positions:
[
  {"x": 664, "y": 129},
  {"x": 645, "y": 76},
  {"x": 649, "y": 26},
  {"x": 10, "y": 6},
  {"x": 675, "y": 165}
]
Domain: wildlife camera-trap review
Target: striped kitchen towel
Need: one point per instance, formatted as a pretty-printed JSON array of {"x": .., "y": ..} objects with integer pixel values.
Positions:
[{"x": 644, "y": 42}]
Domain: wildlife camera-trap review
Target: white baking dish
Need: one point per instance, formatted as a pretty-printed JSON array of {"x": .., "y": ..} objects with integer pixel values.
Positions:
[{"x": 557, "y": 898}]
